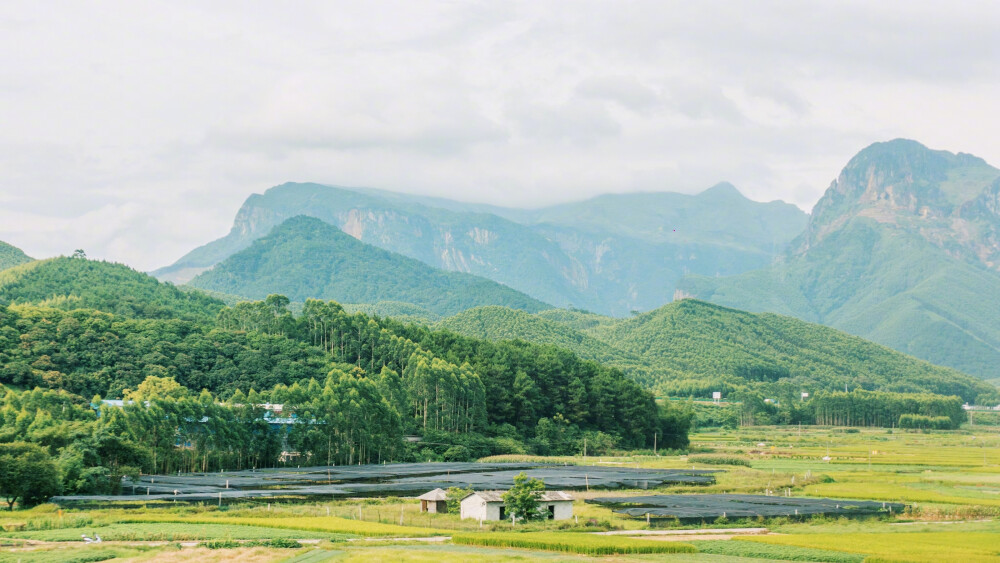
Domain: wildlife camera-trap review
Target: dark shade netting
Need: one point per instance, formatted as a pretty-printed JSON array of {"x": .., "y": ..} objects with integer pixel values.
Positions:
[
  {"x": 740, "y": 506},
  {"x": 398, "y": 479}
]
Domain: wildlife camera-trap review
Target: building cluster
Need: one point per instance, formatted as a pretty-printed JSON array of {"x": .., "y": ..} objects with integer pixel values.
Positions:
[{"x": 489, "y": 505}]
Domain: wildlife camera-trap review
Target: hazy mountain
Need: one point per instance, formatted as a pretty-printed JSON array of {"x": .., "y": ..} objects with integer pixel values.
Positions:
[
  {"x": 693, "y": 348},
  {"x": 11, "y": 256},
  {"x": 75, "y": 283},
  {"x": 304, "y": 258},
  {"x": 903, "y": 249},
  {"x": 610, "y": 254}
]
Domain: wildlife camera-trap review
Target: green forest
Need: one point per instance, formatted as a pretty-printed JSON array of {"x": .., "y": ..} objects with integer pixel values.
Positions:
[
  {"x": 192, "y": 375},
  {"x": 691, "y": 348}
]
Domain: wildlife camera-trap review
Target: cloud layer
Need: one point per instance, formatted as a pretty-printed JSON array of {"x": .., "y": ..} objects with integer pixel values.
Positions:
[{"x": 135, "y": 130}]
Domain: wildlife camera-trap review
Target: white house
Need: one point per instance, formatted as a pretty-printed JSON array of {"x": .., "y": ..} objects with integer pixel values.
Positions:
[{"x": 488, "y": 505}]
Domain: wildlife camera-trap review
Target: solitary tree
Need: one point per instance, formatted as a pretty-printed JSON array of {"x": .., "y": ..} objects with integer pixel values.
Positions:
[
  {"x": 522, "y": 499},
  {"x": 27, "y": 474}
]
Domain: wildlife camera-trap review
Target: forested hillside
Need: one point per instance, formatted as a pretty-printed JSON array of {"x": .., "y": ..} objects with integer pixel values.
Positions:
[
  {"x": 72, "y": 283},
  {"x": 356, "y": 385},
  {"x": 501, "y": 323},
  {"x": 305, "y": 258},
  {"x": 691, "y": 348},
  {"x": 11, "y": 256},
  {"x": 611, "y": 254},
  {"x": 902, "y": 249}
]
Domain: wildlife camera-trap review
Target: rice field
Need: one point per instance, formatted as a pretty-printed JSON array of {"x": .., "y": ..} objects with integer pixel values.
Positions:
[
  {"x": 945, "y": 477},
  {"x": 571, "y": 542},
  {"x": 931, "y": 547}
]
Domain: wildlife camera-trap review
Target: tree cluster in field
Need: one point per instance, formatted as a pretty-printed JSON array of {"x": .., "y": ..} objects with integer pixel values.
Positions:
[
  {"x": 354, "y": 386},
  {"x": 866, "y": 408},
  {"x": 837, "y": 408}
]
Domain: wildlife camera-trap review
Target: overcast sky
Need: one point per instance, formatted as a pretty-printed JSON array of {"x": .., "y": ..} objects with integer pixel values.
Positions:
[{"x": 135, "y": 129}]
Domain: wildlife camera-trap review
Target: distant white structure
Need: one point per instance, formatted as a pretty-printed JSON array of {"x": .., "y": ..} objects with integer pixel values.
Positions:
[
  {"x": 488, "y": 505},
  {"x": 435, "y": 502},
  {"x": 805, "y": 396},
  {"x": 716, "y": 396}
]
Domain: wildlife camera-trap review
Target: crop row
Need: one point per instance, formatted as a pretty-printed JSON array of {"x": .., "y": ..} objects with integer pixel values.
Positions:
[
  {"x": 569, "y": 542},
  {"x": 330, "y": 524}
]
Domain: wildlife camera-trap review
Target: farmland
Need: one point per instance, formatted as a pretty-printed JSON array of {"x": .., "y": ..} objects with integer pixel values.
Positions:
[{"x": 949, "y": 481}]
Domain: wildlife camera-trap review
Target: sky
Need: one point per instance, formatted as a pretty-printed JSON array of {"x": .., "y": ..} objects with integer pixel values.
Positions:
[{"x": 135, "y": 130}]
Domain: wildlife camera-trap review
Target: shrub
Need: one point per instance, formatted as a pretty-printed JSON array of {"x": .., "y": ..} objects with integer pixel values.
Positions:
[
  {"x": 713, "y": 459},
  {"x": 925, "y": 422}
]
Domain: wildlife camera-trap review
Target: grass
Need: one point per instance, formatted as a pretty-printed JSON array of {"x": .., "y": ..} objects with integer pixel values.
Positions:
[
  {"x": 330, "y": 524},
  {"x": 166, "y": 532},
  {"x": 65, "y": 555},
  {"x": 968, "y": 547},
  {"x": 572, "y": 542},
  {"x": 775, "y": 551}
]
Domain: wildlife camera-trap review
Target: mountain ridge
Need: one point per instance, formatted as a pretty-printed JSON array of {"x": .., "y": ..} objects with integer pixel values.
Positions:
[{"x": 306, "y": 258}]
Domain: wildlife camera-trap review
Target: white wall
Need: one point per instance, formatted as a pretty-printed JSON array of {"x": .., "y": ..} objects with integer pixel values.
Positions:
[{"x": 564, "y": 510}]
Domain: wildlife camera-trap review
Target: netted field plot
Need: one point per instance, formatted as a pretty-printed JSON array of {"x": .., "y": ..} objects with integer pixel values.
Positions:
[
  {"x": 710, "y": 507},
  {"x": 387, "y": 480}
]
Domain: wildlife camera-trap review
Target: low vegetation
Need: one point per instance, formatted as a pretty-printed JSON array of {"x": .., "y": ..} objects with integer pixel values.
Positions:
[{"x": 571, "y": 542}]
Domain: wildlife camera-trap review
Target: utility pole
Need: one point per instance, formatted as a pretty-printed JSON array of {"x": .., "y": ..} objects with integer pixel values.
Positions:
[{"x": 654, "y": 442}]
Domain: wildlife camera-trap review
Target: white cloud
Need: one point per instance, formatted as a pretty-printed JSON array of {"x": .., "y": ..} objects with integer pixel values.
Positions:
[{"x": 135, "y": 130}]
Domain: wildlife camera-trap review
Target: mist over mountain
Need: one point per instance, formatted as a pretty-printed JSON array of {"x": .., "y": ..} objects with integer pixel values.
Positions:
[
  {"x": 610, "y": 254},
  {"x": 305, "y": 258},
  {"x": 902, "y": 249}
]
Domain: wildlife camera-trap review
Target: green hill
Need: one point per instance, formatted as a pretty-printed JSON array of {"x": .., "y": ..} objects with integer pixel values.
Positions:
[
  {"x": 500, "y": 323},
  {"x": 11, "y": 256},
  {"x": 72, "y": 283},
  {"x": 698, "y": 344},
  {"x": 305, "y": 258},
  {"x": 691, "y": 348},
  {"x": 901, "y": 250}
]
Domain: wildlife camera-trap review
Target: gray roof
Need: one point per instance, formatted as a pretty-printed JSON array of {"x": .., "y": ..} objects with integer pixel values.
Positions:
[
  {"x": 436, "y": 494},
  {"x": 547, "y": 496}
]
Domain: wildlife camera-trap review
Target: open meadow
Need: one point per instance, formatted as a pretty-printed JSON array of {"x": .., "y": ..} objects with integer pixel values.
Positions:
[{"x": 948, "y": 480}]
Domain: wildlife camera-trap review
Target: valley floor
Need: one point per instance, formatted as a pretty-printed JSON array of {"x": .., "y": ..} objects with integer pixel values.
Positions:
[{"x": 949, "y": 480}]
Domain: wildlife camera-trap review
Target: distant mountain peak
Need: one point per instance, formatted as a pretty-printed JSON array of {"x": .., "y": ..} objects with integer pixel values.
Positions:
[
  {"x": 723, "y": 189},
  {"x": 905, "y": 185}
]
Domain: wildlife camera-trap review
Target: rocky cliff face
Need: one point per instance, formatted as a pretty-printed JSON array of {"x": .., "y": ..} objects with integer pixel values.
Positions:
[{"x": 951, "y": 200}]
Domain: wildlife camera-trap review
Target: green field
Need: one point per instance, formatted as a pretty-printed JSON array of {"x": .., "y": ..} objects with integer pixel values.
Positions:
[{"x": 949, "y": 479}]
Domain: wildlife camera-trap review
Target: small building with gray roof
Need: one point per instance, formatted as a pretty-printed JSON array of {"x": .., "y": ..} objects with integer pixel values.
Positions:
[
  {"x": 488, "y": 505},
  {"x": 435, "y": 501}
]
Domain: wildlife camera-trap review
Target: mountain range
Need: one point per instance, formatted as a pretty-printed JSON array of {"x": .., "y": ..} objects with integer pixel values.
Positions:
[
  {"x": 611, "y": 254},
  {"x": 903, "y": 249}
]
